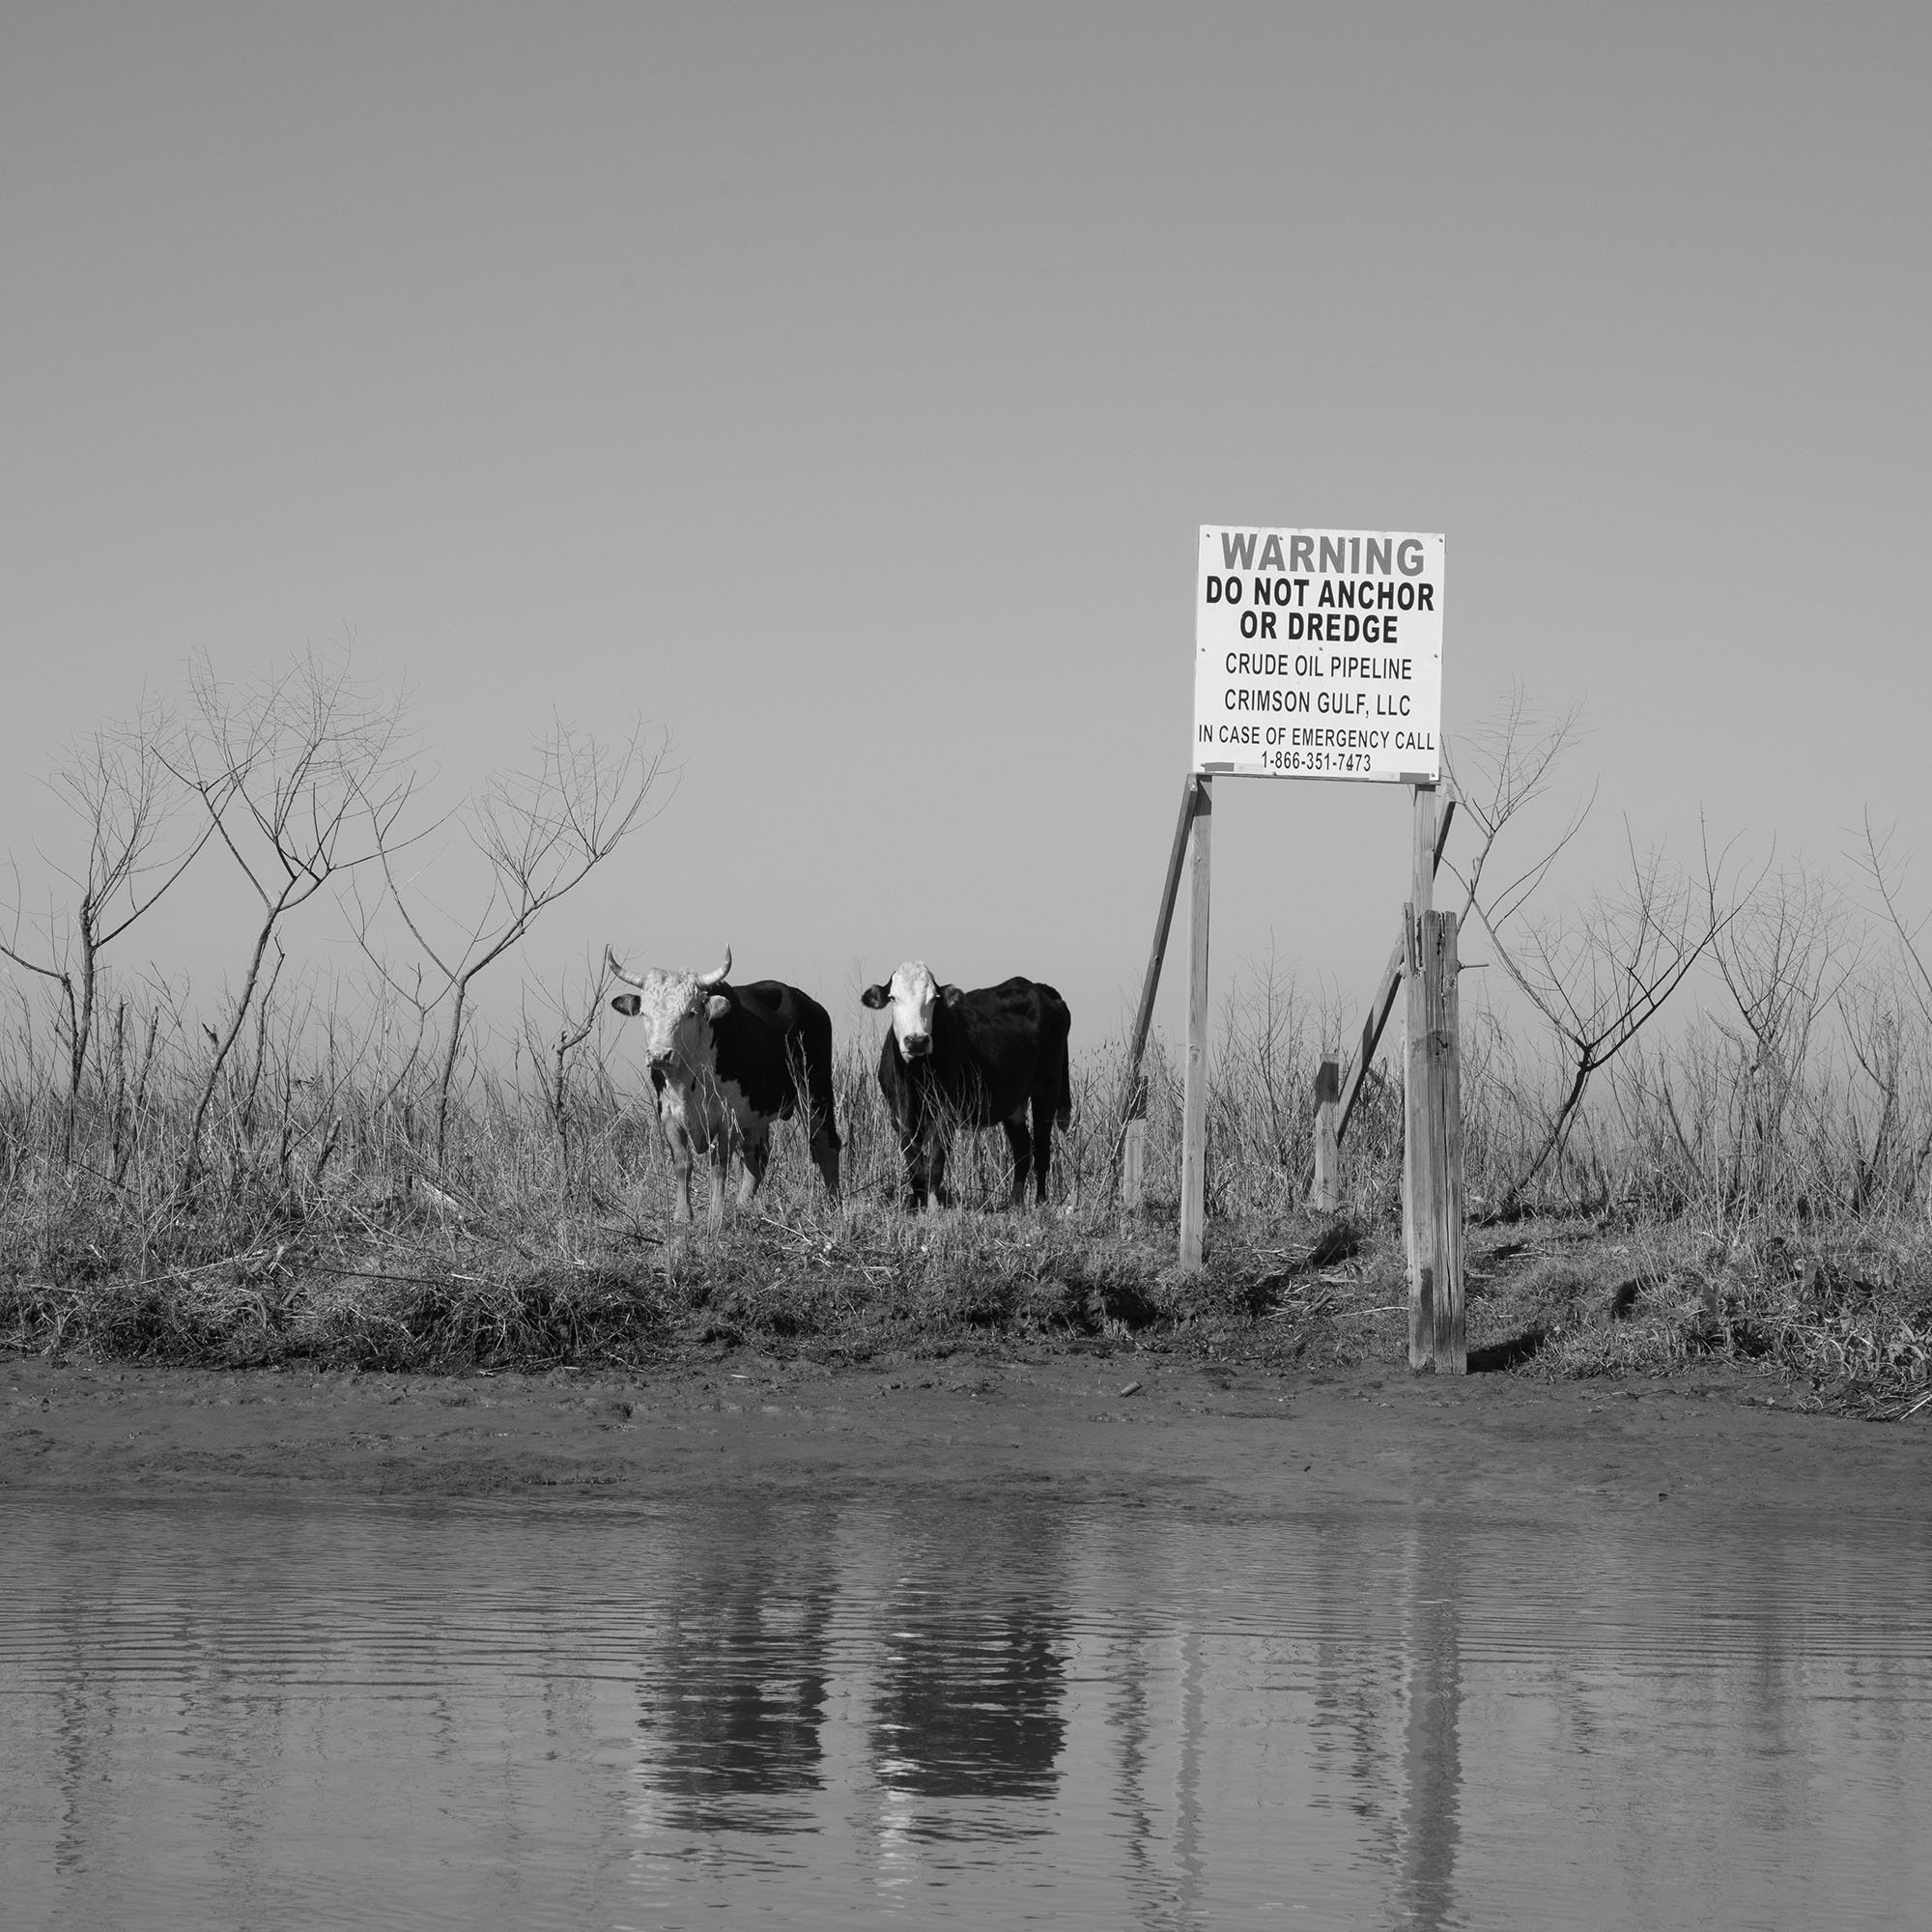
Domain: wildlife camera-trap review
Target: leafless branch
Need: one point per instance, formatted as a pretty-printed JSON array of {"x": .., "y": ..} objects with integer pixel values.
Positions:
[
  {"x": 285, "y": 771},
  {"x": 117, "y": 786},
  {"x": 541, "y": 832}
]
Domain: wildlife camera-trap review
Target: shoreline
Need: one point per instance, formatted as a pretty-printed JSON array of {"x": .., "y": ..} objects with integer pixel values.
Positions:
[{"x": 1128, "y": 1428}]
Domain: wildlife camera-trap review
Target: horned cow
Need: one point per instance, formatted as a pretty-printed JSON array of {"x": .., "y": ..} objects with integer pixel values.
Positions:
[
  {"x": 953, "y": 1060},
  {"x": 725, "y": 1062}
]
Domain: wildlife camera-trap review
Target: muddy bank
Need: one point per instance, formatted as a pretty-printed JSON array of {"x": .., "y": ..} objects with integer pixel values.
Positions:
[{"x": 1127, "y": 1425}]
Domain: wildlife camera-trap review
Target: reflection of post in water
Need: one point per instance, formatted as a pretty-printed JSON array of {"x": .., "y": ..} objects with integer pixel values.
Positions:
[
  {"x": 85, "y": 1734},
  {"x": 1159, "y": 1738},
  {"x": 971, "y": 1687},
  {"x": 741, "y": 1679},
  {"x": 1193, "y": 1875},
  {"x": 1357, "y": 1681},
  {"x": 1128, "y": 1724},
  {"x": 1432, "y": 1755}
]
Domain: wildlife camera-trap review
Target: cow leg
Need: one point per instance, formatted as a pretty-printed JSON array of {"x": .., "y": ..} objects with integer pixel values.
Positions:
[
  {"x": 1042, "y": 1145},
  {"x": 825, "y": 1157},
  {"x": 757, "y": 1155},
  {"x": 937, "y": 1149},
  {"x": 912, "y": 1153},
  {"x": 1016, "y": 1138},
  {"x": 679, "y": 1143}
]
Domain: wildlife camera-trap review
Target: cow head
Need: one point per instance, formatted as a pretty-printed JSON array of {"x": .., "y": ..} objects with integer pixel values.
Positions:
[
  {"x": 677, "y": 1009},
  {"x": 911, "y": 994}
]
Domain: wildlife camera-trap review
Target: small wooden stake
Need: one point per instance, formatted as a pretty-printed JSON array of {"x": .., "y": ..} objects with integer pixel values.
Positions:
[
  {"x": 1325, "y": 1196},
  {"x": 1133, "y": 1161},
  {"x": 1194, "y": 1098}
]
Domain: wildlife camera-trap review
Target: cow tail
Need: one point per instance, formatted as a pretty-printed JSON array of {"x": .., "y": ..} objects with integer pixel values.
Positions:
[
  {"x": 1063, "y": 1106},
  {"x": 818, "y": 1084}
]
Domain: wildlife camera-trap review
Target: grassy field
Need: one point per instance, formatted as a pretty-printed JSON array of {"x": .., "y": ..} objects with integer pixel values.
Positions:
[
  {"x": 317, "y": 1224},
  {"x": 369, "y": 1174}
]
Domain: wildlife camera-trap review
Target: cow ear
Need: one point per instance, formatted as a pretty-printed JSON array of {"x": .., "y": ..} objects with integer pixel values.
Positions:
[
  {"x": 627, "y": 1004},
  {"x": 874, "y": 997},
  {"x": 952, "y": 995},
  {"x": 717, "y": 1006}
]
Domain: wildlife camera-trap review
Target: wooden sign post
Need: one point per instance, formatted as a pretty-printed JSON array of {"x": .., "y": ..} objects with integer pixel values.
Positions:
[
  {"x": 1130, "y": 1158},
  {"x": 1451, "y": 1345},
  {"x": 1195, "y": 826},
  {"x": 1432, "y": 1194},
  {"x": 1194, "y": 1092},
  {"x": 1417, "y": 1208}
]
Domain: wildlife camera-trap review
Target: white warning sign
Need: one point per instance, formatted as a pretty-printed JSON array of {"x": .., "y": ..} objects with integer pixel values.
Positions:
[{"x": 1319, "y": 654}]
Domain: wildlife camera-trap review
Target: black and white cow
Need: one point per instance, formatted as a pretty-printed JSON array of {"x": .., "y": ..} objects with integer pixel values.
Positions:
[
  {"x": 966, "y": 1060},
  {"x": 725, "y": 1062}
]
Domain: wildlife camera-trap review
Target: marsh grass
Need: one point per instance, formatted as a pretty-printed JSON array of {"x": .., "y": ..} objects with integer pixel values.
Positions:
[{"x": 320, "y": 1225}]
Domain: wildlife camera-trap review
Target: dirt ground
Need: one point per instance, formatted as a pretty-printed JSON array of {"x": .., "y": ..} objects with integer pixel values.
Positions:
[{"x": 1121, "y": 1426}]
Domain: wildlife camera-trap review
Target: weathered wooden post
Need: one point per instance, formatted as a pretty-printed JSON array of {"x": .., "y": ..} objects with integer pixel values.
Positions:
[
  {"x": 1418, "y": 1207},
  {"x": 1433, "y": 1202},
  {"x": 1325, "y": 1196},
  {"x": 1417, "y": 1168},
  {"x": 1451, "y": 1347},
  {"x": 1194, "y": 1092}
]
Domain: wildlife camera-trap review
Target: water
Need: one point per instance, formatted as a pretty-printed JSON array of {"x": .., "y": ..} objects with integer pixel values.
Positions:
[{"x": 991, "y": 1711}]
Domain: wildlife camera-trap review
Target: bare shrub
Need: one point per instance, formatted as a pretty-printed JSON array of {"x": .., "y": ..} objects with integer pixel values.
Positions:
[
  {"x": 541, "y": 833},
  {"x": 1597, "y": 975},
  {"x": 301, "y": 777},
  {"x": 116, "y": 786}
]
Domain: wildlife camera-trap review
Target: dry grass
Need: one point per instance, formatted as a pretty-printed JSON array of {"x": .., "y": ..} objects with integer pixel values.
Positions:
[
  {"x": 373, "y": 1177},
  {"x": 319, "y": 1228}
]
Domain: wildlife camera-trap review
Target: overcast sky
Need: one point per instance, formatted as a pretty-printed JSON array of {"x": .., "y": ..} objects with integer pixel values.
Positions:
[{"x": 843, "y": 388}]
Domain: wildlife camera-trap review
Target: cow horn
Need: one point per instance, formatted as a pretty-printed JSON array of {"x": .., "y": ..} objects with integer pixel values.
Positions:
[
  {"x": 629, "y": 979},
  {"x": 717, "y": 973}
]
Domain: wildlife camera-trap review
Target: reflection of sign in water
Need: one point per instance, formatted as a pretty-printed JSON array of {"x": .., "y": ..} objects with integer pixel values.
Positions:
[{"x": 1317, "y": 654}]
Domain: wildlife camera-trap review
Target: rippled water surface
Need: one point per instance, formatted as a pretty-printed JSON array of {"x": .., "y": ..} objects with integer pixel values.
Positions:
[{"x": 216, "y": 1712}]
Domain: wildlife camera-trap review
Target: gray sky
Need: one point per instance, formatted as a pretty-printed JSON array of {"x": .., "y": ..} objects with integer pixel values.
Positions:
[{"x": 843, "y": 387}]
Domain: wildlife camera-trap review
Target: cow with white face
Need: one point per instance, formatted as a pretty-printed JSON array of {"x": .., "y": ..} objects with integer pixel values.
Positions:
[
  {"x": 725, "y": 1062},
  {"x": 956, "y": 1060}
]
